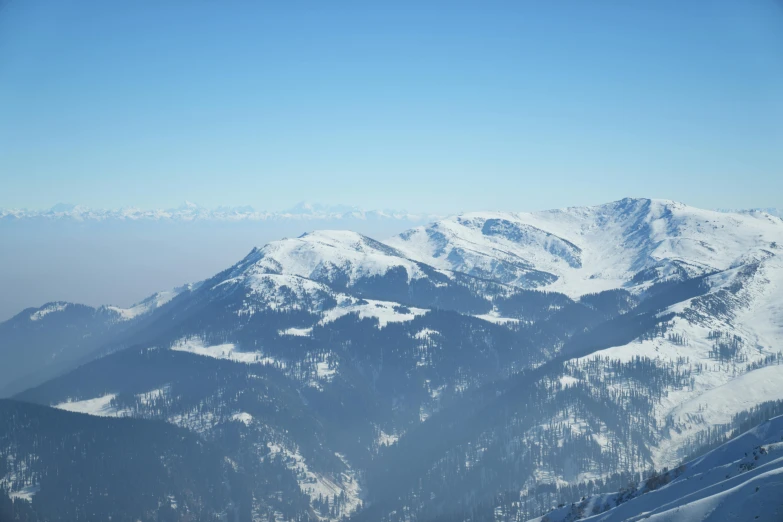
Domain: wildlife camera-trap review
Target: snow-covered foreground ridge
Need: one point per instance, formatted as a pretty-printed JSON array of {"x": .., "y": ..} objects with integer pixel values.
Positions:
[{"x": 740, "y": 480}]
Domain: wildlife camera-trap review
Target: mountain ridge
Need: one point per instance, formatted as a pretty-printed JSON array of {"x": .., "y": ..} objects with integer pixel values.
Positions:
[
  {"x": 383, "y": 348},
  {"x": 577, "y": 248}
]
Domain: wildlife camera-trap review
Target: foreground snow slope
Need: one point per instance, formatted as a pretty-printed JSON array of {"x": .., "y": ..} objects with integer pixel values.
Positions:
[{"x": 740, "y": 480}]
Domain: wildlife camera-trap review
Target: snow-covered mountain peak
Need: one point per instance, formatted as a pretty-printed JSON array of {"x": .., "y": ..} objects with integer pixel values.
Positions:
[
  {"x": 337, "y": 257},
  {"x": 627, "y": 243},
  {"x": 347, "y": 240}
]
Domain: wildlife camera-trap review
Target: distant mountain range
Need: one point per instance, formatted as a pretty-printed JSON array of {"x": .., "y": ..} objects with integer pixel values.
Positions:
[
  {"x": 486, "y": 366},
  {"x": 193, "y": 212},
  {"x": 768, "y": 210}
]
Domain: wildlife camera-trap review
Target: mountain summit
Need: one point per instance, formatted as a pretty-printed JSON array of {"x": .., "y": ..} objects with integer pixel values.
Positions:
[{"x": 630, "y": 243}]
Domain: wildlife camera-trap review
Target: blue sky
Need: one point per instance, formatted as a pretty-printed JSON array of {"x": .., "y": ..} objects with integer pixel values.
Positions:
[{"x": 439, "y": 106}]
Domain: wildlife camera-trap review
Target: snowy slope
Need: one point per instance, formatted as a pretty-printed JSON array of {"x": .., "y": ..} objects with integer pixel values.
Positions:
[
  {"x": 740, "y": 480},
  {"x": 278, "y": 292},
  {"x": 713, "y": 357},
  {"x": 284, "y": 292},
  {"x": 589, "y": 249},
  {"x": 653, "y": 400},
  {"x": 744, "y": 304}
]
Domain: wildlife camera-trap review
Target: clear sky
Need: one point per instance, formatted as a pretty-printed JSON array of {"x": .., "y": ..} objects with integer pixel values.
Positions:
[{"x": 424, "y": 105}]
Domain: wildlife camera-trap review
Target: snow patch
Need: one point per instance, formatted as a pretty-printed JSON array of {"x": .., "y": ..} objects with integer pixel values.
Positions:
[
  {"x": 325, "y": 371},
  {"x": 426, "y": 333},
  {"x": 494, "y": 317},
  {"x": 567, "y": 380},
  {"x": 244, "y": 418},
  {"x": 226, "y": 351},
  {"x": 316, "y": 484},
  {"x": 385, "y": 311},
  {"x": 26, "y": 493},
  {"x": 147, "y": 397},
  {"x": 386, "y": 439},
  {"x": 48, "y": 309},
  {"x": 296, "y": 332},
  {"x": 99, "y": 406}
]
